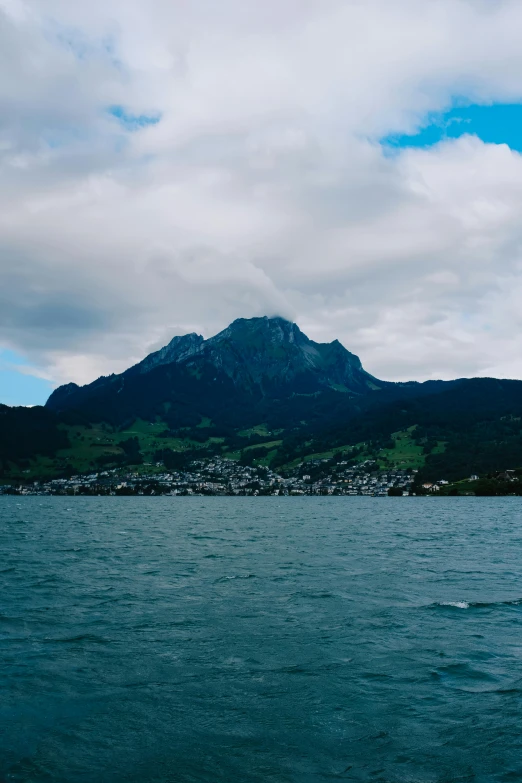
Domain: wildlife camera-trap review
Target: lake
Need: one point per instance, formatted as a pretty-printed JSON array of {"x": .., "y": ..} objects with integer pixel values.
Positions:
[{"x": 260, "y": 639}]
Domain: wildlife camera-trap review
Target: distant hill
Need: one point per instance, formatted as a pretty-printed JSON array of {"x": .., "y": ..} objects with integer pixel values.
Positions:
[{"x": 261, "y": 390}]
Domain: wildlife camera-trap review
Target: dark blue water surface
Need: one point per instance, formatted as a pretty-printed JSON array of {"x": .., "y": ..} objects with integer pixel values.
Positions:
[{"x": 260, "y": 639}]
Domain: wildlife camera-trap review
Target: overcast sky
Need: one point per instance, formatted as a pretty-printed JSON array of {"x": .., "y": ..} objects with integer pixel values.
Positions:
[{"x": 170, "y": 165}]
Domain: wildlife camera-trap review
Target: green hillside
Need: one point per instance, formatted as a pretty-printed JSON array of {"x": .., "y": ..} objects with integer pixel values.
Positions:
[{"x": 263, "y": 393}]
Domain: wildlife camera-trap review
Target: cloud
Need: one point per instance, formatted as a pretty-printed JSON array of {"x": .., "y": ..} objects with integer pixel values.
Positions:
[{"x": 167, "y": 167}]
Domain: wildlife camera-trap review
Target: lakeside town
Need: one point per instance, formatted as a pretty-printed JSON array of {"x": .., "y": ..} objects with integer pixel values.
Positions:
[{"x": 228, "y": 478}]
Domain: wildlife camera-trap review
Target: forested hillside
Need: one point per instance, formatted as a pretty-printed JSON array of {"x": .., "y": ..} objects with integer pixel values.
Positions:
[{"x": 262, "y": 393}]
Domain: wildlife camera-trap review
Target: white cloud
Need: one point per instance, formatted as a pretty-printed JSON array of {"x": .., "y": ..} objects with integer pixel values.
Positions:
[{"x": 263, "y": 188}]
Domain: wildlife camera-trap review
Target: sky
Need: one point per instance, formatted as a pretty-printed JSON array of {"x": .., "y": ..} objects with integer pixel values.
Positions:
[{"x": 167, "y": 167}]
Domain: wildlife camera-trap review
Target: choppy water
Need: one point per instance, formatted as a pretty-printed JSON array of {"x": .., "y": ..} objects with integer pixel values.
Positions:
[{"x": 264, "y": 639}]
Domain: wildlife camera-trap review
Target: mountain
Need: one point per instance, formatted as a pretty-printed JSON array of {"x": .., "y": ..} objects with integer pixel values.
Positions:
[
  {"x": 261, "y": 391},
  {"x": 262, "y": 357}
]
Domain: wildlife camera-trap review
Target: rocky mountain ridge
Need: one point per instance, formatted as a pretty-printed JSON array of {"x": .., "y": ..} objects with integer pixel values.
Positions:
[{"x": 267, "y": 356}]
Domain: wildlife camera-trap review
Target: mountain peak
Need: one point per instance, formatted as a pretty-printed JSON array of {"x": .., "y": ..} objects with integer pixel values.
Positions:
[
  {"x": 261, "y": 323},
  {"x": 274, "y": 329},
  {"x": 273, "y": 354},
  {"x": 268, "y": 320},
  {"x": 180, "y": 348},
  {"x": 267, "y": 356}
]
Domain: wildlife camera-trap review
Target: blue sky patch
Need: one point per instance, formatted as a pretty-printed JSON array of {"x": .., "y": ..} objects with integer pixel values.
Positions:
[
  {"x": 133, "y": 122},
  {"x": 16, "y": 386},
  {"x": 499, "y": 123}
]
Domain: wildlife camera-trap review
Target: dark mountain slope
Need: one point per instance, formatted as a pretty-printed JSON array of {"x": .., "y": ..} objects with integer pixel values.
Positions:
[
  {"x": 479, "y": 421},
  {"x": 26, "y": 432}
]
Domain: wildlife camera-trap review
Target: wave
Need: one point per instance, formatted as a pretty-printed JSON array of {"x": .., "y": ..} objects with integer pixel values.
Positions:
[
  {"x": 238, "y": 576},
  {"x": 475, "y": 604}
]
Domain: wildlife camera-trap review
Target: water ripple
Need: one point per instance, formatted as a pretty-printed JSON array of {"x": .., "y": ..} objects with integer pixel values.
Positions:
[{"x": 260, "y": 641}]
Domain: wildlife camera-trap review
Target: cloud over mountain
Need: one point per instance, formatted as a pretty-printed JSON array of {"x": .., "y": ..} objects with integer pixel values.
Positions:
[{"x": 169, "y": 167}]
